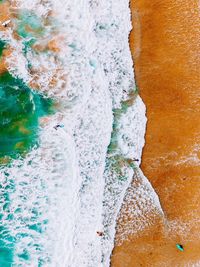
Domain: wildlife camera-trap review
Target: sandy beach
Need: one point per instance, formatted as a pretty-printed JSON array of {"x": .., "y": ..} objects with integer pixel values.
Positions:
[{"x": 165, "y": 48}]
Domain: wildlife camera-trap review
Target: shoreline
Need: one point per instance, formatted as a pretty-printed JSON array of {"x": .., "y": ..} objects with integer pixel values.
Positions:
[{"x": 166, "y": 68}]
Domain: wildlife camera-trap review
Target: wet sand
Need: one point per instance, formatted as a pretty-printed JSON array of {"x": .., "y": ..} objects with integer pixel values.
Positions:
[{"x": 165, "y": 44}]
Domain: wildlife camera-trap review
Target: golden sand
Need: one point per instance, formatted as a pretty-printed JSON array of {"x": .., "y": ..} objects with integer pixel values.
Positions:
[{"x": 165, "y": 44}]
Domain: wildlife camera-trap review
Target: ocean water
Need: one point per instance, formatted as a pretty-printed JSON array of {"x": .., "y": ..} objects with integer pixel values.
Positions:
[{"x": 64, "y": 184}]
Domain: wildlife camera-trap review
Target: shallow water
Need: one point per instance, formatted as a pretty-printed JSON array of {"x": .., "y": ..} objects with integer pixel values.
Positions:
[{"x": 20, "y": 110}]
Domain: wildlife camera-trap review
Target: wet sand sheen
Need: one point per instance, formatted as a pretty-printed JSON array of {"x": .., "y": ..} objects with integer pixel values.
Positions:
[{"x": 165, "y": 47}]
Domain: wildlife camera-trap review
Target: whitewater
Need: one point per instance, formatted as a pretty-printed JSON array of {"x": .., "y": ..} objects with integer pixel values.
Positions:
[{"x": 73, "y": 184}]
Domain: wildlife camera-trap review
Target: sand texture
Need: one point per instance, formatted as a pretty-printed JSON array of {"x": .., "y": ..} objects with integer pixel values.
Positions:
[{"x": 165, "y": 47}]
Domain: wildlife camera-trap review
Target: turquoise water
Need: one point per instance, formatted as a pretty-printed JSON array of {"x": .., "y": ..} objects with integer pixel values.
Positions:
[
  {"x": 9, "y": 241},
  {"x": 20, "y": 110},
  {"x": 20, "y": 106},
  {"x": 29, "y": 25}
]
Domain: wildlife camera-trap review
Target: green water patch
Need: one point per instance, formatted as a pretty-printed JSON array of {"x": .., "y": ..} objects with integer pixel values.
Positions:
[
  {"x": 30, "y": 28},
  {"x": 35, "y": 31},
  {"x": 24, "y": 255},
  {"x": 2, "y": 47},
  {"x": 20, "y": 110},
  {"x": 29, "y": 25},
  {"x": 33, "y": 28},
  {"x": 115, "y": 159},
  {"x": 117, "y": 113}
]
